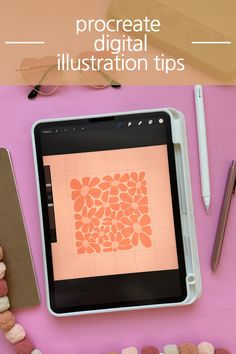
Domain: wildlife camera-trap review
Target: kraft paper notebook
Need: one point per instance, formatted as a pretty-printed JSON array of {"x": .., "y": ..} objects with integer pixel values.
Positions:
[{"x": 23, "y": 291}]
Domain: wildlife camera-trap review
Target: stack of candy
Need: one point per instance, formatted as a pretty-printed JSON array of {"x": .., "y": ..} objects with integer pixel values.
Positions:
[
  {"x": 14, "y": 333},
  {"x": 186, "y": 348}
]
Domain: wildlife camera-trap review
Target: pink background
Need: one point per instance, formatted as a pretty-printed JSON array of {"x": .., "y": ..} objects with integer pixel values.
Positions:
[
  {"x": 213, "y": 316},
  {"x": 153, "y": 160}
]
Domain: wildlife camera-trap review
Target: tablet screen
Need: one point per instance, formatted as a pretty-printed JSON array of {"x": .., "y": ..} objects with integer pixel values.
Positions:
[{"x": 111, "y": 212}]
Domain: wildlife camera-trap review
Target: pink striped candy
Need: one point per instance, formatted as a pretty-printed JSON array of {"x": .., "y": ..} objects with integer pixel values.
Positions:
[
  {"x": 24, "y": 347},
  {"x": 3, "y": 287}
]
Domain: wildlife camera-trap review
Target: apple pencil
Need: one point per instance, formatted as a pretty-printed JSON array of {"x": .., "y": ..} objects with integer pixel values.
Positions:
[{"x": 202, "y": 146}]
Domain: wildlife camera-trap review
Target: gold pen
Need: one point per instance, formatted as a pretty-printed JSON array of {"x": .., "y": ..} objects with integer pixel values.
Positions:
[{"x": 229, "y": 191}]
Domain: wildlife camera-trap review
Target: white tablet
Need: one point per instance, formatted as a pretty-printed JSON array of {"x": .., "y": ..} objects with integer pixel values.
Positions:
[{"x": 110, "y": 207}]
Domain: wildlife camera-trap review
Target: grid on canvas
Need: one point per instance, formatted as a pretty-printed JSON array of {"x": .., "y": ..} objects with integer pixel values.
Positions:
[{"x": 157, "y": 252}]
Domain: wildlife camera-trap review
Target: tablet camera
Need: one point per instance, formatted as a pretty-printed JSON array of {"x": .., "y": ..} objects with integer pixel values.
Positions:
[
  {"x": 161, "y": 120},
  {"x": 150, "y": 121}
]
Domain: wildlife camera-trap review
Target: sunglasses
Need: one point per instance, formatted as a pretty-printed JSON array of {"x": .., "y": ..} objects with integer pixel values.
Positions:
[{"x": 40, "y": 74}]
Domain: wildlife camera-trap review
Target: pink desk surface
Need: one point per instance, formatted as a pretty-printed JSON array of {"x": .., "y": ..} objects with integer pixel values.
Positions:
[{"x": 213, "y": 316}]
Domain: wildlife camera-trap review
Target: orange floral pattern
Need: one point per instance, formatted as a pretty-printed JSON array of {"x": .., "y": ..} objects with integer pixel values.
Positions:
[
  {"x": 137, "y": 183},
  {"x": 84, "y": 192},
  {"x": 111, "y": 213}
]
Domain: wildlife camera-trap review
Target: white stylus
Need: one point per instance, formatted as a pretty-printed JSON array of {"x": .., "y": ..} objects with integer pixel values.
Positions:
[{"x": 202, "y": 146}]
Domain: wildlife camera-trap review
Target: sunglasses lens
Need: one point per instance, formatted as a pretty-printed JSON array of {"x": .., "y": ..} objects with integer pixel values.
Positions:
[
  {"x": 96, "y": 78},
  {"x": 41, "y": 74}
]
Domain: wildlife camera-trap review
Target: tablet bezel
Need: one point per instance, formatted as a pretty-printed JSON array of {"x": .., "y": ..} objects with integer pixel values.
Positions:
[{"x": 176, "y": 210}]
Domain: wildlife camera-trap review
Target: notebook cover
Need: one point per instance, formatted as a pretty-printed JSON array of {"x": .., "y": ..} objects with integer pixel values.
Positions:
[{"x": 23, "y": 291}]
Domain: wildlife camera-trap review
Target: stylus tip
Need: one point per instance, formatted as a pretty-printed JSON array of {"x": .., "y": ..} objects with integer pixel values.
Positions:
[
  {"x": 206, "y": 201},
  {"x": 207, "y": 207},
  {"x": 214, "y": 266}
]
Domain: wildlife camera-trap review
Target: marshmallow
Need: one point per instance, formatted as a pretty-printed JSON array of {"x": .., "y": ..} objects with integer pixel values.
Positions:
[
  {"x": 4, "y": 303},
  {"x": 205, "y": 348},
  {"x": 171, "y": 349},
  {"x": 3, "y": 288},
  {"x": 7, "y": 320},
  {"x": 24, "y": 347},
  {"x": 188, "y": 348},
  {"x": 1, "y": 253},
  {"x": 2, "y": 270},
  {"x": 36, "y": 351},
  {"x": 222, "y": 351},
  {"x": 129, "y": 350},
  {"x": 150, "y": 350},
  {"x": 15, "y": 334}
]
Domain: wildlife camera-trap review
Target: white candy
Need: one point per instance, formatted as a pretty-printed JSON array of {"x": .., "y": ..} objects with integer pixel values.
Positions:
[
  {"x": 4, "y": 303},
  {"x": 36, "y": 351},
  {"x": 2, "y": 270},
  {"x": 170, "y": 349},
  {"x": 206, "y": 348},
  {"x": 15, "y": 334},
  {"x": 130, "y": 350}
]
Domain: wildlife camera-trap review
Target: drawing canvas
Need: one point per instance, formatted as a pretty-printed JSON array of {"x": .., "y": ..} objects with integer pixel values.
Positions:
[{"x": 113, "y": 212}]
